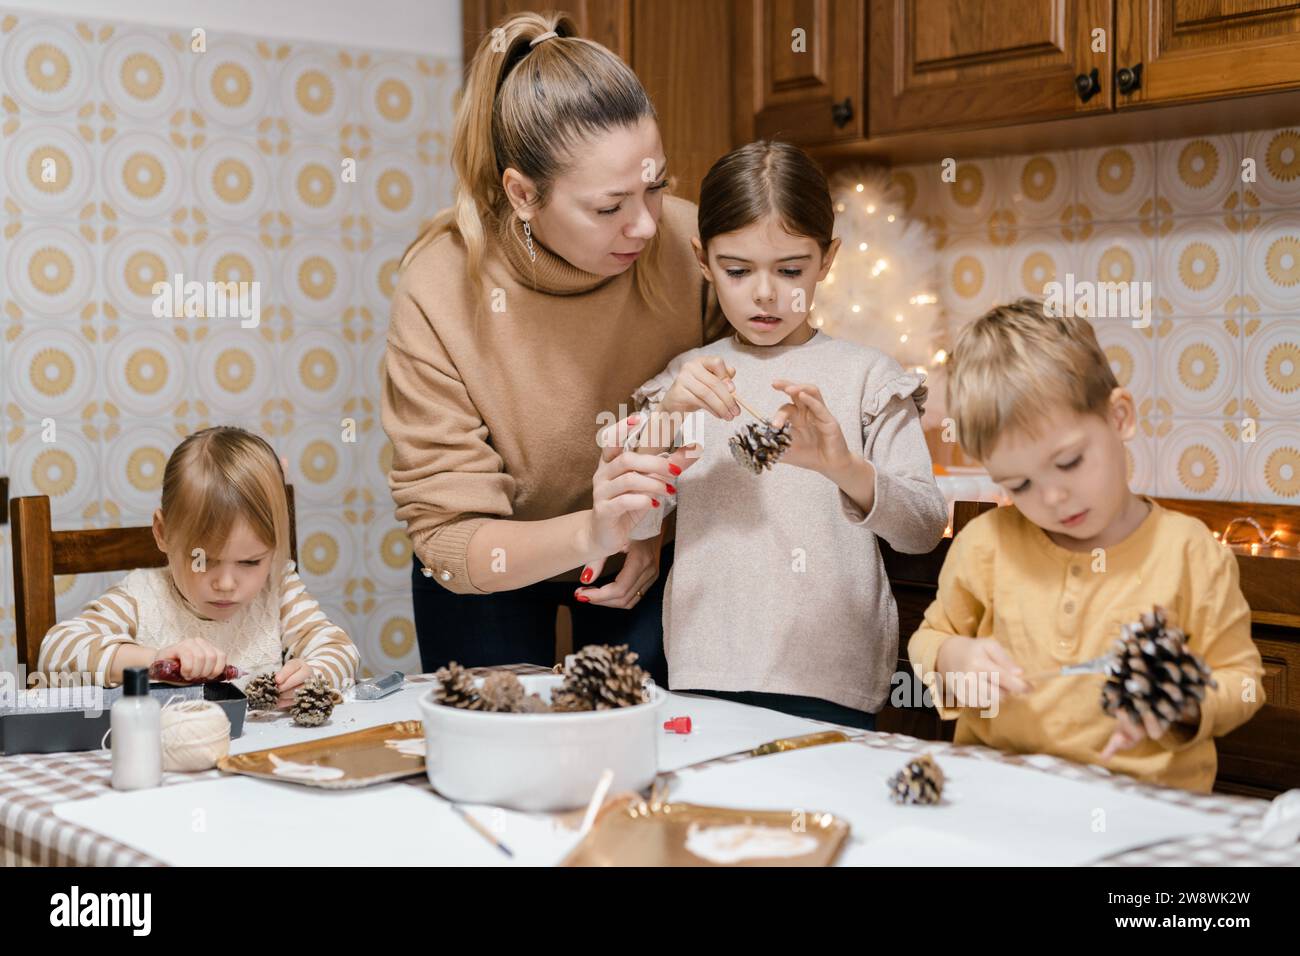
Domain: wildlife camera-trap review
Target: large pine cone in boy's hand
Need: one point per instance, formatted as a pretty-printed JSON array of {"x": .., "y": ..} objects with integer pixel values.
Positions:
[
  {"x": 1153, "y": 672},
  {"x": 456, "y": 688},
  {"x": 600, "y": 677},
  {"x": 759, "y": 447}
]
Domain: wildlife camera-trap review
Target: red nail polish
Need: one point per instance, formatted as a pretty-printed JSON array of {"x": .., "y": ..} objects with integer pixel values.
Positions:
[
  {"x": 633, "y": 419},
  {"x": 586, "y": 576},
  {"x": 583, "y": 598},
  {"x": 672, "y": 489},
  {"x": 655, "y": 502},
  {"x": 673, "y": 469}
]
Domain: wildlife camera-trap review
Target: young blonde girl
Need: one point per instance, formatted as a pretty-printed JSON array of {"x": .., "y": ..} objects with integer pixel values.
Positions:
[
  {"x": 228, "y": 594},
  {"x": 778, "y": 595}
]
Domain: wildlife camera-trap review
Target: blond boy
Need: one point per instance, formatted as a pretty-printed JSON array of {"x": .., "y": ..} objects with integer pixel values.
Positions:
[{"x": 1049, "y": 582}]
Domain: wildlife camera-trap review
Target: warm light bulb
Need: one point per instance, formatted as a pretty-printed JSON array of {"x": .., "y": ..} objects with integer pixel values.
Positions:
[
  {"x": 859, "y": 187},
  {"x": 839, "y": 207},
  {"x": 862, "y": 247},
  {"x": 902, "y": 338},
  {"x": 890, "y": 218},
  {"x": 857, "y": 308},
  {"x": 871, "y": 209},
  {"x": 940, "y": 357},
  {"x": 899, "y": 317}
]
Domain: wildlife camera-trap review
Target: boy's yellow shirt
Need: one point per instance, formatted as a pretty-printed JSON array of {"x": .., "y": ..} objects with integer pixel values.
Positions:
[{"x": 1004, "y": 578}]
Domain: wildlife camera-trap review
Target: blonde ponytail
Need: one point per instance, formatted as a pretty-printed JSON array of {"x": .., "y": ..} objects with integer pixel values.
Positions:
[{"x": 502, "y": 123}]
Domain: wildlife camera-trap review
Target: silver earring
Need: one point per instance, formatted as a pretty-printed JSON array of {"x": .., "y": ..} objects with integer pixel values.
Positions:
[{"x": 528, "y": 241}]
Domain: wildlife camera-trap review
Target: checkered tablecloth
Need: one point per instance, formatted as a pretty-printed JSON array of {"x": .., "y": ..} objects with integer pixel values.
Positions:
[{"x": 31, "y": 785}]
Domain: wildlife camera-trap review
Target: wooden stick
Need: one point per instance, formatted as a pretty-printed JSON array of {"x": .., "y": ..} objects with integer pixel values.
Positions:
[
  {"x": 480, "y": 829},
  {"x": 748, "y": 407}
]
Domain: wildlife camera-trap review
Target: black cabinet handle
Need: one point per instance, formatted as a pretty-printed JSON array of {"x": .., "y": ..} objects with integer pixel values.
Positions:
[
  {"x": 841, "y": 113},
  {"x": 1129, "y": 79},
  {"x": 1088, "y": 85}
]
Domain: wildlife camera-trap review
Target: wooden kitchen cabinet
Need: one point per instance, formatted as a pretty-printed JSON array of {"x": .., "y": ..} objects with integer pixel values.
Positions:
[
  {"x": 1191, "y": 49},
  {"x": 942, "y": 63},
  {"x": 799, "y": 70}
]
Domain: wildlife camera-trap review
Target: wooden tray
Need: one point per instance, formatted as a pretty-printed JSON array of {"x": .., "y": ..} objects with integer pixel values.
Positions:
[
  {"x": 631, "y": 832},
  {"x": 344, "y": 762}
]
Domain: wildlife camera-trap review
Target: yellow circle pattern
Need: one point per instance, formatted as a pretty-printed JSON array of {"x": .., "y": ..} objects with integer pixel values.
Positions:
[
  {"x": 54, "y": 472},
  {"x": 315, "y": 185},
  {"x": 314, "y": 91},
  {"x": 145, "y": 467},
  {"x": 320, "y": 553},
  {"x": 1198, "y": 469},
  {"x": 1283, "y": 157},
  {"x": 397, "y": 638},
  {"x": 231, "y": 85},
  {"x": 1115, "y": 171},
  {"x": 969, "y": 187},
  {"x": 48, "y": 68},
  {"x": 235, "y": 370},
  {"x": 394, "y": 190},
  {"x": 1198, "y": 163},
  {"x": 142, "y": 270},
  {"x": 142, "y": 76},
  {"x": 967, "y": 276},
  {"x": 395, "y": 549},
  {"x": 1198, "y": 366},
  {"x": 1116, "y": 265},
  {"x": 143, "y": 175},
  {"x": 393, "y": 100},
  {"x": 1038, "y": 178},
  {"x": 319, "y": 461},
  {"x": 317, "y": 277},
  {"x": 1198, "y": 266},
  {"x": 232, "y": 180},
  {"x": 36, "y": 163},
  {"x": 388, "y": 276},
  {"x": 233, "y": 267},
  {"x": 318, "y": 369},
  {"x": 51, "y": 372},
  {"x": 1121, "y": 362},
  {"x": 1282, "y": 367},
  {"x": 146, "y": 371},
  {"x": 1038, "y": 270},
  {"x": 50, "y": 270},
  {"x": 1283, "y": 261},
  {"x": 1282, "y": 471}
]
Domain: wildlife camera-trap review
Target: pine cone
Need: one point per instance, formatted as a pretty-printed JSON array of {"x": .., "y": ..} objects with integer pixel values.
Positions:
[
  {"x": 759, "y": 447},
  {"x": 601, "y": 677},
  {"x": 262, "y": 692},
  {"x": 920, "y": 782},
  {"x": 314, "y": 702},
  {"x": 1153, "y": 672},
  {"x": 502, "y": 693},
  {"x": 456, "y": 688}
]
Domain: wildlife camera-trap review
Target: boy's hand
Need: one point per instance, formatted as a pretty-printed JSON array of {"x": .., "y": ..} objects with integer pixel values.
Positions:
[
  {"x": 198, "y": 659},
  {"x": 962, "y": 656},
  {"x": 289, "y": 678},
  {"x": 1128, "y": 733},
  {"x": 817, "y": 441},
  {"x": 703, "y": 383}
]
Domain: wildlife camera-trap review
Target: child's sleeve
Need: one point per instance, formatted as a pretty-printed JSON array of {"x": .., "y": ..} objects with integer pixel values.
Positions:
[
  {"x": 909, "y": 510},
  {"x": 306, "y": 633},
  {"x": 87, "y": 643},
  {"x": 958, "y": 609},
  {"x": 1218, "y": 628}
]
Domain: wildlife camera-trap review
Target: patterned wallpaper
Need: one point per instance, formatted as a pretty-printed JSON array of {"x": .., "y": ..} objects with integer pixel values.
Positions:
[
  {"x": 1216, "y": 374},
  {"x": 126, "y": 158}
]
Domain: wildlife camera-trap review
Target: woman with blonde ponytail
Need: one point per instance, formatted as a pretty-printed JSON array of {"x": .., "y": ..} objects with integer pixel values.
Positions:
[{"x": 560, "y": 279}]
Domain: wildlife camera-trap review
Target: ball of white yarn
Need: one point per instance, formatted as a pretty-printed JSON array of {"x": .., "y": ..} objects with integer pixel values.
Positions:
[{"x": 195, "y": 735}]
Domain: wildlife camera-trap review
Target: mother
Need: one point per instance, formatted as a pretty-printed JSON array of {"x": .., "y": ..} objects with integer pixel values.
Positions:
[{"x": 525, "y": 316}]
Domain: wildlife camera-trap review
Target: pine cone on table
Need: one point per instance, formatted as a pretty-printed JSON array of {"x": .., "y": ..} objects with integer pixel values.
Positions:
[
  {"x": 920, "y": 782},
  {"x": 262, "y": 692},
  {"x": 1153, "y": 672},
  {"x": 759, "y": 447},
  {"x": 456, "y": 688},
  {"x": 314, "y": 702},
  {"x": 601, "y": 677}
]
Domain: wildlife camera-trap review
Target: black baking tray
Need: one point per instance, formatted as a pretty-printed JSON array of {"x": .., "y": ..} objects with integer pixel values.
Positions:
[{"x": 28, "y": 730}]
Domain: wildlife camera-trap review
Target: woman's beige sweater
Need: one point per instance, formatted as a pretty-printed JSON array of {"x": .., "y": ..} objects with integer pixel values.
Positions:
[{"x": 497, "y": 416}]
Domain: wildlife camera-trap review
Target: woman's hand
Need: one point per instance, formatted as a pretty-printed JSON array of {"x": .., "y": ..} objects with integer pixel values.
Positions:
[
  {"x": 639, "y": 572},
  {"x": 289, "y": 678},
  {"x": 626, "y": 485},
  {"x": 705, "y": 383},
  {"x": 198, "y": 659},
  {"x": 817, "y": 441}
]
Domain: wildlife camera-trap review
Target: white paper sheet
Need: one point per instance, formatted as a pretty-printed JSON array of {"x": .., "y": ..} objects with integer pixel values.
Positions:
[
  {"x": 231, "y": 821},
  {"x": 1030, "y": 816},
  {"x": 260, "y": 733}
]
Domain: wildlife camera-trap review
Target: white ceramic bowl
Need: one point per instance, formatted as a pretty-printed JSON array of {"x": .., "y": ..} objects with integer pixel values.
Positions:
[{"x": 539, "y": 761}]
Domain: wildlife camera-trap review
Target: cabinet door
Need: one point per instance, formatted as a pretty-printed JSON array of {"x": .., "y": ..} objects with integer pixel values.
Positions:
[
  {"x": 606, "y": 21},
  {"x": 798, "y": 72},
  {"x": 947, "y": 63},
  {"x": 1190, "y": 49}
]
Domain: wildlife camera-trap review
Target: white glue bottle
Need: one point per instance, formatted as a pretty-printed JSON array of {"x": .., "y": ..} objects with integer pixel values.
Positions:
[{"x": 137, "y": 734}]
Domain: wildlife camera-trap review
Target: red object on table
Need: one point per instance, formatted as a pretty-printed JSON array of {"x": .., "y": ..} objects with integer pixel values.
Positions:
[
  {"x": 678, "y": 725},
  {"x": 168, "y": 670}
]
